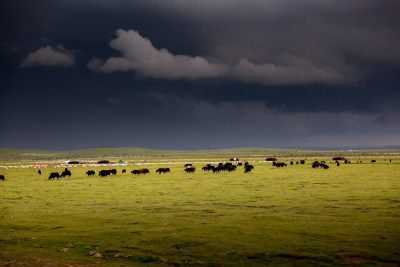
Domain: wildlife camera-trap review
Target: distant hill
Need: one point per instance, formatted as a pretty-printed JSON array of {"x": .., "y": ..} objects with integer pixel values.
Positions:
[
  {"x": 6, "y": 153},
  {"x": 133, "y": 152}
]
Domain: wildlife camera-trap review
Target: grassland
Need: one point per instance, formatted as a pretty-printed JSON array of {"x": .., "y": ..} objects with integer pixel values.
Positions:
[
  {"x": 134, "y": 152},
  {"x": 287, "y": 216}
]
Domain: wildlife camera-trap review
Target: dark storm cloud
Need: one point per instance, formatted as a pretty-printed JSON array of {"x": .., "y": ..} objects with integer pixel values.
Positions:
[
  {"x": 338, "y": 40},
  {"x": 199, "y": 74}
]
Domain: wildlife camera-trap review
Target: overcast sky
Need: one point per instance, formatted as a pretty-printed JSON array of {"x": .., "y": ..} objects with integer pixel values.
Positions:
[{"x": 172, "y": 74}]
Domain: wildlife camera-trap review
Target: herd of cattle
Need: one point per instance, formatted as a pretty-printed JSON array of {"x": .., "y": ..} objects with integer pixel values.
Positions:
[{"x": 189, "y": 168}]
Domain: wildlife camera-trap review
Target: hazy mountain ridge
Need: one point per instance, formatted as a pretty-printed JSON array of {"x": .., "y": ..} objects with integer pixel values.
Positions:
[{"x": 126, "y": 152}]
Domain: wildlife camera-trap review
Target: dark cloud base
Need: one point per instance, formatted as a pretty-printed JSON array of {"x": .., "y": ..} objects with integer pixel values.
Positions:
[{"x": 58, "y": 107}]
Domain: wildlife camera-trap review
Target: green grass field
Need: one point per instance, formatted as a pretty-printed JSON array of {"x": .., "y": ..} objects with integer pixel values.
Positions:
[{"x": 296, "y": 215}]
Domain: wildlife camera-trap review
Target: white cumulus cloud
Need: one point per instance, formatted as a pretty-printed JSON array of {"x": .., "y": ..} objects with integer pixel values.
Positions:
[
  {"x": 56, "y": 56},
  {"x": 138, "y": 54}
]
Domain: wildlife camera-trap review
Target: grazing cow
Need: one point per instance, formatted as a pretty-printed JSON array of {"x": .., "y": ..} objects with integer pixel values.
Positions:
[
  {"x": 240, "y": 164},
  {"x": 302, "y": 161},
  {"x": 39, "y": 172},
  {"x": 113, "y": 172},
  {"x": 271, "y": 159},
  {"x": 337, "y": 163},
  {"x": 104, "y": 173},
  {"x": 2, "y": 178},
  {"x": 90, "y": 173},
  {"x": 163, "y": 170},
  {"x": 315, "y": 164},
  {"x": 291, "y": 163},
  {"x": 187, "y": 165},
  {"x": 65, "y": 173},
  {"x": 280, "y": 164},
  {"x": 324, "y": 166},
  {"x": 373, "y": 161},
  {"x": 248, "y": 168},
  {"x": 297, "y": 162},
  {"x": 208, "y": 167},
  {"x": 135, "y": 172},
  {"x": 215, "y": 169},
  {"x": 123, "y": 171},
  {"x": 54, "y": 175},
  {"x": 231, "y": 168},
  {"x": 144, "y": 171},
  {"x": 190, "y": 169}
]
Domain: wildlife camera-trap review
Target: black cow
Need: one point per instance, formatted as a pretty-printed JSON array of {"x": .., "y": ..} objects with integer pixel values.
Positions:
[
  {"x": 2, "y": 178},
  {"x": 208, "y": 167},
  {"x": 163, "y": 170},
  {"x": 54, "y": 175},
  {"x": 123, "y": 171},
  {"x": 302, "y": 161},
  {"x": 104, "y": 173},
  {"x": 190, "y": 169},
  {"x": 291, "y": 163},
  {"x": 324, "y": 166},
  {"x": 240, "y": 164},
  {"x": 231, "y": 168},
  {"x": 373, "y": 161},
  {"x": 113, "y": 172},
  {"x": 39, "y": 172},
  {"x": 90, "y": 173},
  {"x": 144, "y": 171},
  {"x": 135, "y": 172},
  {"x": 215, "y": 169},
  {"x": 280, "y": 164},
  {"x": 248, "y": 168},
  {"x": 187, "y": 165},
  {"x": 315, "y": 164},
  {"x": 65, "y": 173}
]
